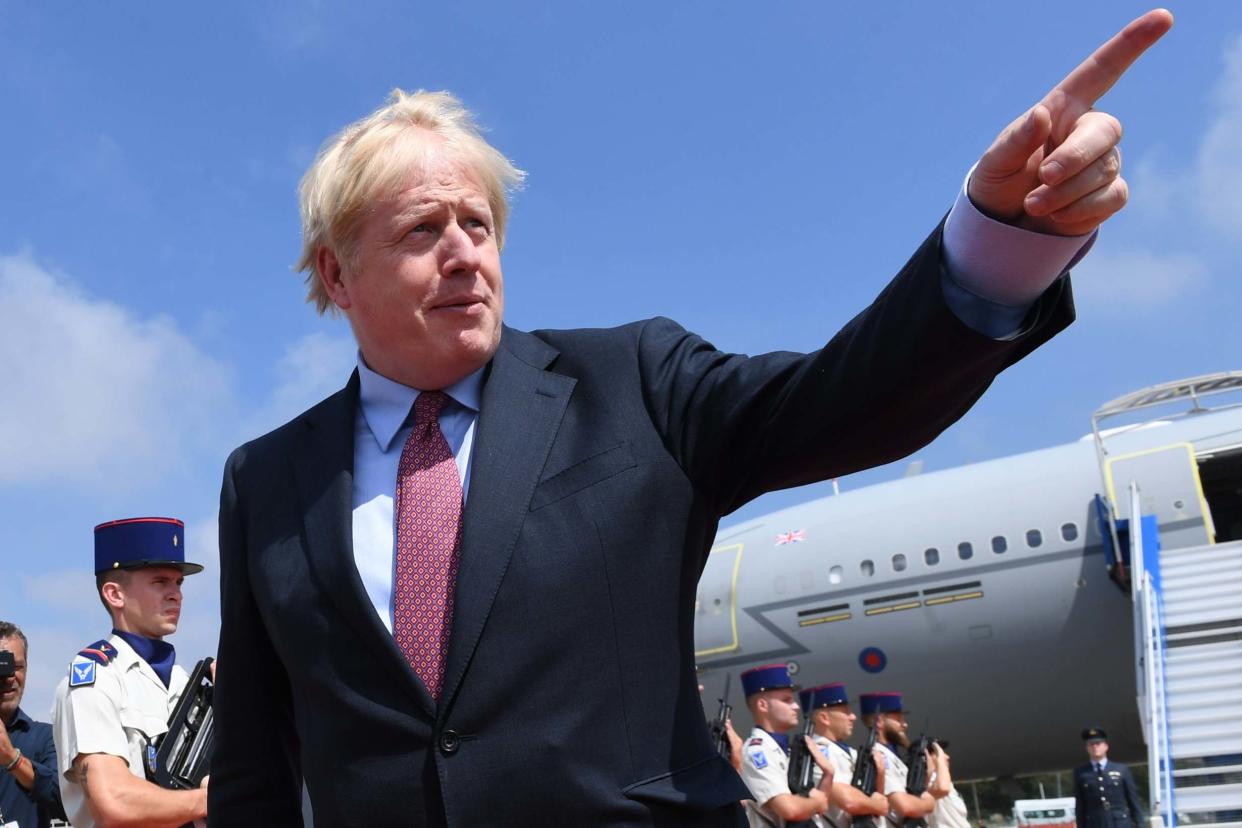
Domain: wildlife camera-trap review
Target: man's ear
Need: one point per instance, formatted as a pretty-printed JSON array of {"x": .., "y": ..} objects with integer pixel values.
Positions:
[
  {"x": 113, "y": 595},
  {"x": 328, "y": 266}
]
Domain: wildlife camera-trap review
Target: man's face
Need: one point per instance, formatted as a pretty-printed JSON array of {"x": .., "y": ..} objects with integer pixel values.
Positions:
[
  {"x": 151, "y": 601},
  {"x": 11, "y": 689},
  {"x": 424, "y": 292},
  {"x": 840, "y": 721},
  {"x": 782, "y": 710},
  {"x": 1097, "y": 749},
  {"x": 895, "y": 726}
]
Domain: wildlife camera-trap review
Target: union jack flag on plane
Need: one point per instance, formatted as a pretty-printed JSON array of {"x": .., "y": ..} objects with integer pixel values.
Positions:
[{"x": 796, "y": 536}]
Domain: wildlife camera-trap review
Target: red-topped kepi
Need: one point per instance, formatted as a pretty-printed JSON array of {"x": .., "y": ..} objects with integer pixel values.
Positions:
[{"x": 134, "y": 543}]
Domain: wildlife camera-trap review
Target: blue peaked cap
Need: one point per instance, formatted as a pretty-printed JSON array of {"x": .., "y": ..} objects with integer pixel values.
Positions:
[
  {"x": 135, "y": 543},
  {"x": 768, "y": 677},
  {"x": 826, "y": 695},
  {"x": 880, "y": 703}
]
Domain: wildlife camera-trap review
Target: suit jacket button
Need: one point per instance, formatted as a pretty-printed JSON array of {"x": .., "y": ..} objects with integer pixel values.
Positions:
[{"x": 449, "y": 742}]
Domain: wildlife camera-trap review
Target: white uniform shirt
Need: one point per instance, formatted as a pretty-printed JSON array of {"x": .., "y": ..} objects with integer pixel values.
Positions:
[
  {"x": 120, "y": 712},
  {"x": 841, "y": 758},
  {"x": 765, "y": 770},
  {"x": 950, "y": 810},
  {"x": 895, "y": 773}
]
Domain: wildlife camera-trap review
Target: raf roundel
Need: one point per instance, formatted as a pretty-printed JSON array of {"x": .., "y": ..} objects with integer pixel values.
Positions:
[{"x": 872, "y": 660}]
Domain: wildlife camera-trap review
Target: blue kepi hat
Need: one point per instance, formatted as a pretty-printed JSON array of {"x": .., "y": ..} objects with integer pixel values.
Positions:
[
  {"x": 825, "y": 695},
  {"x": 768, "y": 677},
  {"x": 135, "y": 543},
  {"x": 880, "y": 703}
]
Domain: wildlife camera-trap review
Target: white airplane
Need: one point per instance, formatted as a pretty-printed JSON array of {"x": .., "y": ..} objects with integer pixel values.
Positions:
[{"x": 983, "y": 593}]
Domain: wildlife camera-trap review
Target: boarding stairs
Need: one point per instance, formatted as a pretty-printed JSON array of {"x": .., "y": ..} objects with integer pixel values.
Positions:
[{"x": 1188, "y": 639}]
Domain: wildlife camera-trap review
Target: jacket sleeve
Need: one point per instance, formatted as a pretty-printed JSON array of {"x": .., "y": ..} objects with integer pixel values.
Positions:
[
  {"x": 885, "y": 385},
  {"x": 1132, "y": 798},
  {"x": 255, "y": 772},
  {"x": 1080, "y": 801}
]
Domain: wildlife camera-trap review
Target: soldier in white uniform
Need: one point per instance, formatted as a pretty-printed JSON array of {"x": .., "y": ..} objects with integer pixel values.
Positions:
[
  {"x": 116, "y": 701},
  {"x": 829, "y": 706},
  {"x": 886, "y": 712},
  {"x": 765, "y": 754}
]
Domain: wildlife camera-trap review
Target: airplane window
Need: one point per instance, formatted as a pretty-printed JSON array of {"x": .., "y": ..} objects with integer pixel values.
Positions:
[
  {"x": 867, "y": 568},
  {"x": 899, "y": 563},
  {"x": 931, "y": 556},
  {"x": 836, "y": 575},
  {"x": 1034, "y": 538},
  {"x": 999, "y": 544},
  {"x": 965, "y": 551},
  {"x": 1069, "y": 531}
]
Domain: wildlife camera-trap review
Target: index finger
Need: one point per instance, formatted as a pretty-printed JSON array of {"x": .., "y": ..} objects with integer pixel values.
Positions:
[{"x": 1097, "y": 74}]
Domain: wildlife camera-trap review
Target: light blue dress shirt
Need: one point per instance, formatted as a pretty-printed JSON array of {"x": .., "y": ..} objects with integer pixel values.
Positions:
[
  {"x": 380, "y": 432},
  {"x": 992, "y": 275}
]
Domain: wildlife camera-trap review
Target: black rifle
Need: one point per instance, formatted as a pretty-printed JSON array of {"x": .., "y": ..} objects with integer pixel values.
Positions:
[
  {"x": 719, "y": 732},
  {"x": 864, "y": 766},
  {"x": 184, "y": 754},
  {"x": 917, "y": 773},
  {"x": 801, "y": 762}
]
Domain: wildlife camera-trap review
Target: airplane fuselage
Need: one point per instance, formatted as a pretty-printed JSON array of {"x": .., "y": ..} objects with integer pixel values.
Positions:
[{"x": 980, "y": 592}]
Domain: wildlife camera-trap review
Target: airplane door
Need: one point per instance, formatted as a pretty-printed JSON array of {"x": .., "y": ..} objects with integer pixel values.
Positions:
[
  {"x": 1168, "y": 479},
  {"x": 715, "y": 607}
]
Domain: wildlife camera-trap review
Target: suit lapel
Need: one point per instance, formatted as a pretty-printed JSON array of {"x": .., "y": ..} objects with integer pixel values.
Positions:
[
  {"x": 520, "y": 413},
  {"x": 323, "y": 467}
]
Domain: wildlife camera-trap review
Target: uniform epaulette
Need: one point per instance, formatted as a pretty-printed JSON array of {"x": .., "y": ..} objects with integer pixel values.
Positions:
[
  {"x": 82, "y": 670},
  {"x": 101, "y": 652}
]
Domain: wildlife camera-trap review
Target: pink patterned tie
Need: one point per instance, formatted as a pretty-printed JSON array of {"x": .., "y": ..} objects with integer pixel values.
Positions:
[{"x": 428, "y": 507}]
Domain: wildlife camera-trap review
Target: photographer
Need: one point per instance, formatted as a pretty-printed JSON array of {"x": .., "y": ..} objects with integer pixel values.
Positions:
[{"x": 29, "y": 795}]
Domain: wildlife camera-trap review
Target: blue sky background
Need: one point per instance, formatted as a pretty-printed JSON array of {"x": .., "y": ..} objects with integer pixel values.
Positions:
[{"x": 755, "y": 171}]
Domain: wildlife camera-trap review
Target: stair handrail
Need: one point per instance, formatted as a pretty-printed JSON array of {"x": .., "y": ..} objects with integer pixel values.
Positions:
[{"x": 1150, "y": 648}]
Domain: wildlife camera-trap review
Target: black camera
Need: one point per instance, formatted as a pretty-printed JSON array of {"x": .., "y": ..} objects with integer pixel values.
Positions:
[{"x": 8, "y": 665}]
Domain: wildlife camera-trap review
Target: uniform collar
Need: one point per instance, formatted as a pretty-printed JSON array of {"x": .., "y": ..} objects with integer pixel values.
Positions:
[
  {"x": 781, "y": 739},
  {"x": 159, "y": 655},
  {"x": 20, "y": 721},
  {"x": 386, "y": 403}
]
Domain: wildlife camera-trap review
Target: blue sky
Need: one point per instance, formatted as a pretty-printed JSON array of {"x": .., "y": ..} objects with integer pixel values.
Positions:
[{"x": 755, "y": 171}]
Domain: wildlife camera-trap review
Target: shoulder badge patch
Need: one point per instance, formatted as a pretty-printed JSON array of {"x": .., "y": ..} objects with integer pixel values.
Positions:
[
  {"x": 101, "y": 652},
  {"x": 81, "y": 673},
  {"x": 758, "y": 758}
]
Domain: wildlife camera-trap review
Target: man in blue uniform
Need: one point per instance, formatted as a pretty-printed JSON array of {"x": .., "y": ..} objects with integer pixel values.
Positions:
[
  {"x": 29, "y": 795},
  {"x": 113, "y": 707},
  {"x": 1104, "y": 792}
]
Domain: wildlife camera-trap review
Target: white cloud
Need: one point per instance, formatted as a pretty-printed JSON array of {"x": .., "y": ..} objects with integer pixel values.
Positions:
[
  {"x": 95, "y": 394},
  {"x": 310, "y": 369},
  {"x": 1136, "y": 280},
  {"x": 1218, "y": 168}
]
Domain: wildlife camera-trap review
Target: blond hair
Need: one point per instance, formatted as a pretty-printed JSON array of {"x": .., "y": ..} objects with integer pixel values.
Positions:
[{"x": 370, "y": 159}]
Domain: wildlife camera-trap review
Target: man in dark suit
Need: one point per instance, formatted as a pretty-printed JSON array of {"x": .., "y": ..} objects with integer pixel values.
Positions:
[
  {"x": 1104, "y": 792},
  {"x": 460, "y": 591}
]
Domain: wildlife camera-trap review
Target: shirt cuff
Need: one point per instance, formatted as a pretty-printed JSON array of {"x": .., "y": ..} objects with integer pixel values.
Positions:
[{"x": 1000, "y": 265}]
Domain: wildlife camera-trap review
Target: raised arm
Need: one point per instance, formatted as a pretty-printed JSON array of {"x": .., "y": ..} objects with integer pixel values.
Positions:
[{"x": 1056, "y": 168}]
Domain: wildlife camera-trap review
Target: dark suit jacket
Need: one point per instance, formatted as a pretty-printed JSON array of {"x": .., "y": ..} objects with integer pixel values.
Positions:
[
  {"x": 603, "y": 460},
  {"x": 1107, "y": 800}
]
